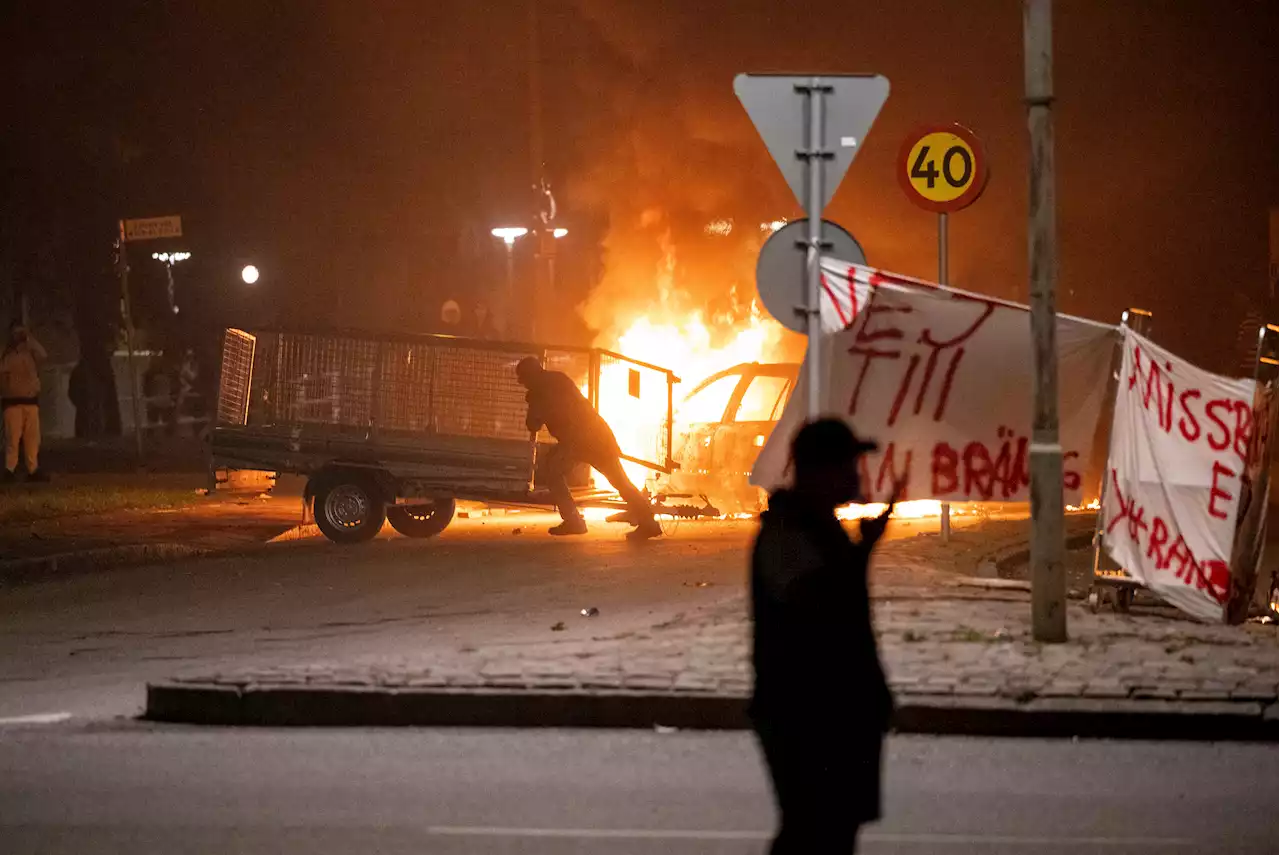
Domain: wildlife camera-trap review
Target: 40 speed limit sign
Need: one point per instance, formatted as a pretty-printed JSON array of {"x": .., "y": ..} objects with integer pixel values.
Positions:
[{"x": 942, "y": 168}]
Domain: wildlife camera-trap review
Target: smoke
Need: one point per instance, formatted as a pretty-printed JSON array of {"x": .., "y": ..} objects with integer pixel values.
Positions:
[{"x": 666, "y": 154}]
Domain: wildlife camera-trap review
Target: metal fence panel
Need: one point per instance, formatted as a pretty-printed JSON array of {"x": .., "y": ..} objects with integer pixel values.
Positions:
[
  {"x": 236, "y": 377},
  {"x": 635, "y": 398}
]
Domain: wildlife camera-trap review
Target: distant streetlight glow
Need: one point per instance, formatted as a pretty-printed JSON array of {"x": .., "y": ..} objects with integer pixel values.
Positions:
[
  {"x": 559, "y": 233},
  {"x": 509, "y": 234},
  {"x": 249, "y": 274}
]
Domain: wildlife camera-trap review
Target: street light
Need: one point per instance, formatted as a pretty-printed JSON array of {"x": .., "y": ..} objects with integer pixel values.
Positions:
[
  {"x": 168, "y": 259},
  {"x": 509, "y": 234},
  {"x": 249, "y": 274}
]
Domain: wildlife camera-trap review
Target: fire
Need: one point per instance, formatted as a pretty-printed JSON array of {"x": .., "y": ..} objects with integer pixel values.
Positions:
[
  {"x": 694, "y": 347},
  {"x": 915, "y": 509}
]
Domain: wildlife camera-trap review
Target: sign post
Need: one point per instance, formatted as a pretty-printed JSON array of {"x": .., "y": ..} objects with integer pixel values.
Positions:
[
  {"x": 942, "y": 168},
  {"x": 813, "y": 126},
  {"x": 134, "y": 230}
]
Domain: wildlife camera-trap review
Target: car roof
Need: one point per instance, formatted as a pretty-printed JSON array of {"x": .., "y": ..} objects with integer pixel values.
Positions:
[{"x": 753, "y": 369}]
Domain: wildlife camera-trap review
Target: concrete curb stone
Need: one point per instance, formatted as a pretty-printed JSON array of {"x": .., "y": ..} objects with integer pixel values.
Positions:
[{"x": 292, "y": 705}]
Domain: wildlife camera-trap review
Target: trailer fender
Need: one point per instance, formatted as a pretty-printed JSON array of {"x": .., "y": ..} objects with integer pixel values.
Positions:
[{"x": 379, "y": 479}]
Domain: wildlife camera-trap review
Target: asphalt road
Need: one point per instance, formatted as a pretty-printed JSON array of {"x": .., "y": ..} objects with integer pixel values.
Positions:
[
  {"x": 145, "y": 789},
  {"x": 87, "y": 645}
]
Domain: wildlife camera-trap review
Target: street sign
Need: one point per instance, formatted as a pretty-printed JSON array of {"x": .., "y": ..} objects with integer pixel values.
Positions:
[
  {"x": 152, "y": 228},
  {"x": 813, "y": 125},
  {"x": 942, "y": 168},
  {"x": 780, "y": 270},
  {"x": 778, "y": 107}
]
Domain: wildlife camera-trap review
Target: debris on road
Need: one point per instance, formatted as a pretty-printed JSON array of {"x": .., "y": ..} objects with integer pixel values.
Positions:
[
  {"x": 590, "y": 612},
  {"x": 517, "y": 531},
  {"x": 558, "y": 626}
]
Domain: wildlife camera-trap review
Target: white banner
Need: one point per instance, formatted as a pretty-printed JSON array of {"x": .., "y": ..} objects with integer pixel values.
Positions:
[
  {"x": 1179, "y": 442},
  {"x": 942, "y": 380},
  {"x": 847, "y": 287}
]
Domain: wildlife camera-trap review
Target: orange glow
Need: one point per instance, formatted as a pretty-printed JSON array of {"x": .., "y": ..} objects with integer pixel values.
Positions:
[{"x": 916, "y": 509}]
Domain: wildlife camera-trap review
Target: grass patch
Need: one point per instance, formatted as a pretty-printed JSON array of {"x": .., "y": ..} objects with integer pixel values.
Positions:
[{"x": 25, "y": 503}]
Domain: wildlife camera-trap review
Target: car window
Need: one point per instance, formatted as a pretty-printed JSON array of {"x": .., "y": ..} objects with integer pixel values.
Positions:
[
  {"x": 763, "y": 400},
  {"x": 708, "y": 404}
]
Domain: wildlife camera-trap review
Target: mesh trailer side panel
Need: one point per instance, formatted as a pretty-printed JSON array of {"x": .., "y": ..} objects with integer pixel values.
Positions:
[{"x": 235, "y": 377}]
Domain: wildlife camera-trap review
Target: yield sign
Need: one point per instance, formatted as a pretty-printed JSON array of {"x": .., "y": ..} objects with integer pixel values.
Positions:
[{"x": 778, "y": 104}]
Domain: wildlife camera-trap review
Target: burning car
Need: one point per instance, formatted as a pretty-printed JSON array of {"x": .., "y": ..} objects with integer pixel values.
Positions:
[{"x": 724, "y": 422}]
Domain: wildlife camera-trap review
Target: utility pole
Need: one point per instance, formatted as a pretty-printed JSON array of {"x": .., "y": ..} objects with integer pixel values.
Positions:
[
  {"x": 1048, "y": 579},
  {"x": 130, "y": 336}
]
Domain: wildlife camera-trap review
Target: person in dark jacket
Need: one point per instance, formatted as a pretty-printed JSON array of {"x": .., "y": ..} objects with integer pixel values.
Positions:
[
  {"x": 821, "y": 704},
  {"x": 582, "y": 437}
]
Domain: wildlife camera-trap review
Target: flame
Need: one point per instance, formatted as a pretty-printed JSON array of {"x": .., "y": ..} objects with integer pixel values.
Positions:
[
  {"x": 694, "y": 346},
  {"x": 915, "y": 509}
]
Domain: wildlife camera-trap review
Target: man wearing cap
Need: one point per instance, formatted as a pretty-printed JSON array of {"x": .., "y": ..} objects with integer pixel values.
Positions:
[
  {"x": 582, "y": 437},
  {"x": 821, "y": 704},
  {"x": 20, "y": 400}
]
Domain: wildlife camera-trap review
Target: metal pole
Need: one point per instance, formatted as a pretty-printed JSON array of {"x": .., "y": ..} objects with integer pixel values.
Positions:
[
  {"x": 511, "y": 289},
  {"x": 813, "y": 259},
  {"x": 127, "y": 310},
  {"x": 1048, "y": 578},
  {"x": 944, "y": 523}
]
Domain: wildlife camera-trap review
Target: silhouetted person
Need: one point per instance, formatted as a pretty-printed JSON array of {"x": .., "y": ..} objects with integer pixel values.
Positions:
[
  {"x": 821, "y": 704},
  {"x": 582, "y": 437},
  {"x": 20, "y": 400},
  {"x": 482, "y": 323}
]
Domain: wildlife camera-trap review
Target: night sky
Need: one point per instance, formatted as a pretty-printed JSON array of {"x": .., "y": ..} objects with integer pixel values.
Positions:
[{"x": 358, "y": 152}]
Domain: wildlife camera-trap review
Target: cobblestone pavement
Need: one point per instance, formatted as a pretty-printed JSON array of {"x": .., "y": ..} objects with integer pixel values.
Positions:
[{"x": 961, "y": 647}]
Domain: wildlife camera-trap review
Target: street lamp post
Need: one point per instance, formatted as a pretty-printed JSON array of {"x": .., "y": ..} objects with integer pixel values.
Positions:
[
  {"x": 549, "y": 251},
  {"x": 509, "y": 235}
]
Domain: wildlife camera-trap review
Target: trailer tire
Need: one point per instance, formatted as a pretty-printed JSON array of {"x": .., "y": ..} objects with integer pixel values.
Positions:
[
  {"x": 422, "y": 520},
  {"x": 349, "y": 508}
]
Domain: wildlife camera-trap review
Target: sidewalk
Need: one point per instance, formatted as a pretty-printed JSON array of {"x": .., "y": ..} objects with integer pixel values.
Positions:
[
  {"x": 960, "y": 659},
  {"x": 63, "y": 545}
]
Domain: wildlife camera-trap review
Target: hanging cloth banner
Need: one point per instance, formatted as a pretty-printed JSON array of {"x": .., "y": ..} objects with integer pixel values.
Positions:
[
  {"x": 846, "y": 288},
  {"x": 942, "y": 379},
  {"x": 1179, "y": 444}
]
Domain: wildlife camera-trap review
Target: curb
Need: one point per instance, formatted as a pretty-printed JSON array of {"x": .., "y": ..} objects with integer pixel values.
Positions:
[
  {"x": 23, "y": 571},
  {"x": 348, "y": 706},
  {"x": 304, "y": 531}
]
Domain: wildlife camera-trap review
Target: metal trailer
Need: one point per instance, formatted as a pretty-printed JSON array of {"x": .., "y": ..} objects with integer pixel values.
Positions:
[{"x": 399, "y": 427}]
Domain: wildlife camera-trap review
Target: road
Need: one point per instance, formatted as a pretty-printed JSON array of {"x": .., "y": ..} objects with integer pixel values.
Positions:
[
  {"x": 87, "y": 645},
  {"x": 133, "y": 788}
]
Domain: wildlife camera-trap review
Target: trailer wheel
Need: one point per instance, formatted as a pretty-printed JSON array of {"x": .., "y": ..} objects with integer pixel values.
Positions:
[
  {"x": 422, "y": 520},
  {"x": 349, "y": 509}
]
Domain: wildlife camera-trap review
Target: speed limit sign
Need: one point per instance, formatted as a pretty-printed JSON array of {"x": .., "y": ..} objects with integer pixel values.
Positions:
[{"x": 942, "y": 168}]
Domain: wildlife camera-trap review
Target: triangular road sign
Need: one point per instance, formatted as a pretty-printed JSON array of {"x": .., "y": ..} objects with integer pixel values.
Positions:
[{"x": 780, "y": 112}]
